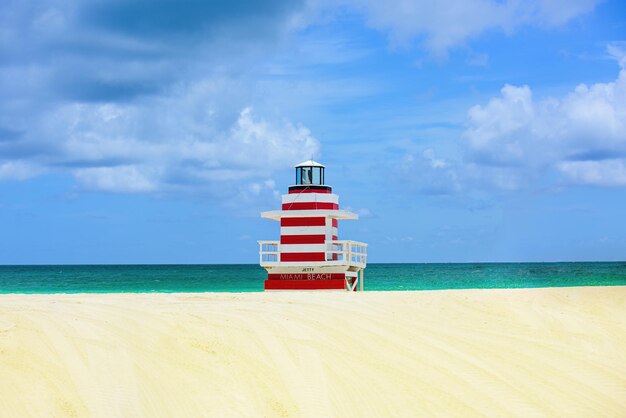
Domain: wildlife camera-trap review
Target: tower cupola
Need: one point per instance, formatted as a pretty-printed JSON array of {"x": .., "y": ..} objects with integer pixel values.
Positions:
[
  {"x": 310, "y": 173},
  {"x": 310, "y": 177}
]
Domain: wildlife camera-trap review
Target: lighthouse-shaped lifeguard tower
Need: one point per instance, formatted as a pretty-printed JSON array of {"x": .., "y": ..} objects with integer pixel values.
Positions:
[{"x": 309, "y": 255}]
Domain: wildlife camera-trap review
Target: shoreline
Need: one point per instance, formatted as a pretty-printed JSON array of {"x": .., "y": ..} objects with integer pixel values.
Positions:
[
  {"x": 558, "y": 351},
  {"x": 375, "y": 291},
  {"x": 160, "y": 292}
]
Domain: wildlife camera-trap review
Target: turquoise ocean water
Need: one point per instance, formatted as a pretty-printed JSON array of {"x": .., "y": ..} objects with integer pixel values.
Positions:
[{"x": 249, "y": 277}]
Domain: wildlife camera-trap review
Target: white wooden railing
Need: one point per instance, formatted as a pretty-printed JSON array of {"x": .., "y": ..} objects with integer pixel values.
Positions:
[{"x": 342, "y": 252}]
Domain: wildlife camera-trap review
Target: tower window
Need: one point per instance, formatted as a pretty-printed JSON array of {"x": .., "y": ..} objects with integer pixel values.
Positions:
[{"x": 310, "y": 175}]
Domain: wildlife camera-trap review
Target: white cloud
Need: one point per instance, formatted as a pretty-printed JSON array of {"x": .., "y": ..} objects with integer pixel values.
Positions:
[
  {"x": 18, "y": 170},
  {"x": 121, "y": 179},
  {"x": 446, "y": 25},
  {"x": 555, "y": 12},
  {"x": 147, "y": 106},
  {"x": 261, "y": 145},
  {"x": 443, "y": 27},
  {"x": 251, "y": 149},
  {"x": 617, "y": 51},
  {"x": 516, "y": 141},
  {"x": 184, "y": 141},
  {"x": 610, "y": 172},
  {"x": 573, "y": 134},
  {"x": 498, "y": 131},
  {"x": 429, "y": 173},
  {"x": 435, "y": 162}
]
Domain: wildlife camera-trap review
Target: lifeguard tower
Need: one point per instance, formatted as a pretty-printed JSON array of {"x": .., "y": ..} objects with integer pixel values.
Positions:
[{"x": 309, "y": 255}]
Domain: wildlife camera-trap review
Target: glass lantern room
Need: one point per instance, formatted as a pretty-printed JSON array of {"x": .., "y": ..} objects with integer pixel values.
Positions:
[{"x": 309, "y": 173}]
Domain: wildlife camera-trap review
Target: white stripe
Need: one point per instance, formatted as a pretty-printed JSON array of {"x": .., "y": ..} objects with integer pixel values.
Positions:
[
  {"x": 276, "y": 215},
  {"x": 303, "y": 230},
  {"x": 310, "y": 198},
  {"x": 302, "y": 248}
]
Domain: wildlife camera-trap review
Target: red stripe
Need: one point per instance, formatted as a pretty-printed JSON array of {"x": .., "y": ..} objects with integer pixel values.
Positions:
[
  {"x": 335, "y": 238},
  {"x": 309, "y": 205},
  {"x": 303, "y": 239},
  {"x": 313, "y": 221},
  {"x": 308, "y": 191},
  {"x": 335, "y": 223},
  {"x": 306, "y": 276},
  {"x": 302, "y": 257},
  {"x": 333, "y": 284}
]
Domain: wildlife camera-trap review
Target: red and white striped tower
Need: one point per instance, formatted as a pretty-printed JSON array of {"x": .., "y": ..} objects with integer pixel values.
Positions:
[{"x": 309, "y": 255}]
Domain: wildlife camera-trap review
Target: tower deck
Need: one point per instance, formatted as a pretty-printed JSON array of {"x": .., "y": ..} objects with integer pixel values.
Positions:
[{"x": 344, "y": 253}]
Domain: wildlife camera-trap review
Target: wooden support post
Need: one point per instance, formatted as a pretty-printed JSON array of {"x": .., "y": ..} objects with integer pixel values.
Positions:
[{"x": 362, "y": 273}]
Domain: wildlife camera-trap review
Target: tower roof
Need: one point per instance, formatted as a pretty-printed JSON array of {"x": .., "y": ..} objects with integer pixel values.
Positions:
[{"x": 309, "y": 163}]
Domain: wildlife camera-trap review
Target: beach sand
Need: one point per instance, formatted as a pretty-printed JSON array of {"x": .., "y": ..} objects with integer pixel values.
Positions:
[{"x": 557, "y": 352}]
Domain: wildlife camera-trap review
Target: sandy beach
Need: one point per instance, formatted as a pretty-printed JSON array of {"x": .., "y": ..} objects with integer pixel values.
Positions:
[{"x": 527, "y": 352}]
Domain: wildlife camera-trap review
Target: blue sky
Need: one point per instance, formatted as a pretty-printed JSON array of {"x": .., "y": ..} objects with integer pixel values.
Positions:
[{"x": 156, "y": 131}]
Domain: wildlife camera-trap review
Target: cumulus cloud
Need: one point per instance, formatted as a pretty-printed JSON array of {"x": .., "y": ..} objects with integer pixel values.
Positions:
[
  {"x": 582, "y": 135},
  {"x": 194, "y": 139},
  {"x": 517, "y": 141},
  {"x": 143, "y": 96},
  {"x": 127, "y": 148}
]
